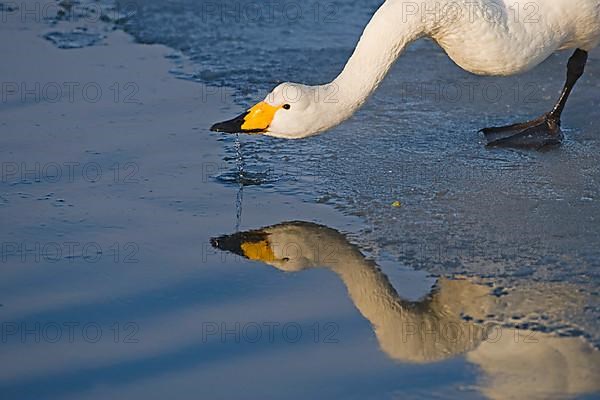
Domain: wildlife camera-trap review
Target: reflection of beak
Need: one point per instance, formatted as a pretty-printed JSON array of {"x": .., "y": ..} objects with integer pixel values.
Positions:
[
  {"x": 253, "y": 245},
  {"x": 255, "y": 120}
]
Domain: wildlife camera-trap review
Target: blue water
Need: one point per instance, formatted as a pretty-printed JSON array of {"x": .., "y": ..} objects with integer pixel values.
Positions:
[{"x": 251, "y": 45}]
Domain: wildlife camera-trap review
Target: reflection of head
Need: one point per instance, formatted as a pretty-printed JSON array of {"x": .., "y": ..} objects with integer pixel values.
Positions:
[
  {"x": 290, "y": 247},
  {"x": 437, "y": 327}
]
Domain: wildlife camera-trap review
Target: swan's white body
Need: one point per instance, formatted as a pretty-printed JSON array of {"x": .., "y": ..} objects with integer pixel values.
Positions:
[{"x": 486, "y": 37}]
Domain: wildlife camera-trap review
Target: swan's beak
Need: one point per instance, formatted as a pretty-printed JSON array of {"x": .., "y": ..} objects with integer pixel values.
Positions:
[
  {"x": 253, "y": 245},
  {"x": 255, "y": 120}
]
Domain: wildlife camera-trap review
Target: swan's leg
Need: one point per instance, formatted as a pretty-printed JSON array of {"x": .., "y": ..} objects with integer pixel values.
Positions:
[{"x": 544, "y": 130}]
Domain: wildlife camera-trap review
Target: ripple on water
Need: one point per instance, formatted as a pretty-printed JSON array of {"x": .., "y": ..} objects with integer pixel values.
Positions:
[{"x": 74, "y": 39}]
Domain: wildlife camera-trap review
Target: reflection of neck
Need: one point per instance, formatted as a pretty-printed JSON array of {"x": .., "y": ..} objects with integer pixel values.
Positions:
[
  {"x": 368, "y": 287},
  {"x": 422, "y": 331},
  {"x": 533, "y": 365}
]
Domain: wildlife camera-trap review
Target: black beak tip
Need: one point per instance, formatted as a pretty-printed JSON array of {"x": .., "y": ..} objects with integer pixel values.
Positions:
[
  {"x": 221, "y": 127},
  {"x": 233, "y": 243},
  {"x": 231, "y": 126},
  {"x": 214, "y": 242}
]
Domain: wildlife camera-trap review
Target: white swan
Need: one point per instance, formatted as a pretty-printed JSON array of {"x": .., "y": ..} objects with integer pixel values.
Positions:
[
  {"x": 516, "y": 363},
  {"x": 487, "y": 37}
]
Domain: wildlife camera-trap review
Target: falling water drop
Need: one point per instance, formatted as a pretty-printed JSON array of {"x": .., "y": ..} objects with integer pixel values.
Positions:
[
  {"x": 240, "y": 195},
  {"x": 239, "y": 157}
]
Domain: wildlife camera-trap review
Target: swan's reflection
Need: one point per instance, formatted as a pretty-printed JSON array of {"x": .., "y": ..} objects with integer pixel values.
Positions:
[{"x": 448, "y": 322}]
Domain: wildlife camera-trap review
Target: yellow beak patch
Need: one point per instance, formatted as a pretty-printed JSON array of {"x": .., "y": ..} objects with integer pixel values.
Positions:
[
  {"x": 259, "y": 251},
  {"x": 259, "y": 117}
]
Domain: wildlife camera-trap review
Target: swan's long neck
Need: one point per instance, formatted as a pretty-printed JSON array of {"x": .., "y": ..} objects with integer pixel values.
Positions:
[{"x": 383, "y": 40}]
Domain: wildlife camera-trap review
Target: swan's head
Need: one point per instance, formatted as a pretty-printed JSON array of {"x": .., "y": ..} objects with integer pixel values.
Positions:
[
  {"x": 289, "y": 247},
  {"x": 290, "y": 111}
]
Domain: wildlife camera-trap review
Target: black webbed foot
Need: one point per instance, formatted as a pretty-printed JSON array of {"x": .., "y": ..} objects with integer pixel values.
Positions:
[
  {"x": 544, "y": 131},
  {"x": 537, "y": 134}
]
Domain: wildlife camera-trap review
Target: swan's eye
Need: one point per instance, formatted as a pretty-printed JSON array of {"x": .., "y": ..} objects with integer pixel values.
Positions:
[{"x": 286, "y": 106}]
